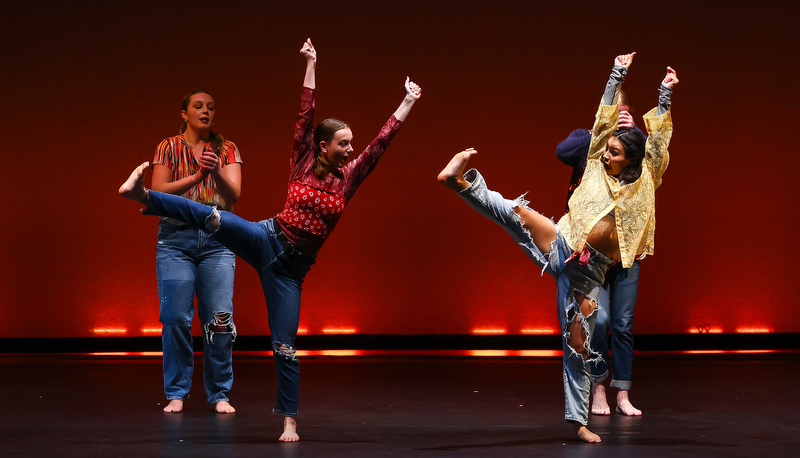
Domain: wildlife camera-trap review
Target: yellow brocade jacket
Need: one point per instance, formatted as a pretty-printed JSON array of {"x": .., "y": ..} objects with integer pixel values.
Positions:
[{"x": 633, "y": 204}]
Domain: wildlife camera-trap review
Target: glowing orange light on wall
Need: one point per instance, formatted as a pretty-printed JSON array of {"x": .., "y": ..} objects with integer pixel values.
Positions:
[
  {"x": 539, "y": 353},
  {"x": 151, "y": 331},
  {"x": 302, "y": 331},
  {"x": 488, "y": 331},
  {"x": 330, "y": 353},
  {"x": 753, "y": 330},
  {"x": 109, "y": 331},
  {"x": 126, "y": 353},
  {"x": 716, "y": 352},
  {"x": 338, "y": 331},
  {"x": 538, "y": 331},
  {"x": 506, "y": 353},
  {"x": 709, "y": 331},
  {"x": 488, "y": 353}
]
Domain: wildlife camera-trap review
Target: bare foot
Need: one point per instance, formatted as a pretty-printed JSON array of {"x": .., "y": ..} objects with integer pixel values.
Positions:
[
  {"x": 133, "y": 188},
  {"x": 452, "y": 175},
  {"x": 224, "y": 407},
  {"x": 174, "y": 406},
  {"x": 599, "y": 401},
  {"x": 584, "y": 434},
  {"x": 624, "y": 405},
  {"x": 289, "y": 430}
]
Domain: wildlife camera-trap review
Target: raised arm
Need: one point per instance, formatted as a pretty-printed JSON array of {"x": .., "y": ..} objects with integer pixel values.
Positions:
[
  {"x": 311, "y": 64},
  {"x": 607, "y": 117},
  {"x": 360, "y": 167},
  {"x": 659, "y": 128},
  {"x": 618, "y": 72},
  {"x": 413, "y": 93},
  {"x": 665, "y": 91},
  {"x": 303, "y": 141}
]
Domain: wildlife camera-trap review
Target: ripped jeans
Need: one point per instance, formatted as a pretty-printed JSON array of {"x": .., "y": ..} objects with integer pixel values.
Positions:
[
  {"x": 281, "y": 275},
  {"x": 189, "y": 264},
  {"x": 571, "y": 278}
]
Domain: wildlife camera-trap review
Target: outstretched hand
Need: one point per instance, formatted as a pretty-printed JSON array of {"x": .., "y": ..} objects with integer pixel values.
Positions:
[
  {"x": 412, "y": 89},
  {"x": 624, "y": 59},
  {"x": 308, "y": 50},
  {"x": 671, "y": 79}
]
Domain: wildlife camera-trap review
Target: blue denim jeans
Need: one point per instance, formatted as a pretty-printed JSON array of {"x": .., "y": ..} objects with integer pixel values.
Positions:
[
  {"x": 190, "y": 264},
  {"x": 281, "y": 276},
  {"x": 571, "y": 278},
  {"x": 618, "y": 301}
]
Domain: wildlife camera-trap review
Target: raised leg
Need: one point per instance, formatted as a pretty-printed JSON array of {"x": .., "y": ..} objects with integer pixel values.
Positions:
[
  {"x": 523, "y": 224},
  {"x": 452, "y": 175},
  {"x": 133, "y": 188}
]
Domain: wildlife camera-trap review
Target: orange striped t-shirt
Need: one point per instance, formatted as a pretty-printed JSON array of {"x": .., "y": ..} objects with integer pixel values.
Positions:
[{"x": 176, "y": 154}]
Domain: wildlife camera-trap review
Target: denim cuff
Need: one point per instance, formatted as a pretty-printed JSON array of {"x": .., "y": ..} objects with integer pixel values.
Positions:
[
  {"x": 621, "y": 384},
  {"x": 286, "y": 414}
]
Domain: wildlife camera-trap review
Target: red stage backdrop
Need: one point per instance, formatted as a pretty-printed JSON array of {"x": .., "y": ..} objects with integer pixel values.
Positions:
[{"x": 90, "y": 88}]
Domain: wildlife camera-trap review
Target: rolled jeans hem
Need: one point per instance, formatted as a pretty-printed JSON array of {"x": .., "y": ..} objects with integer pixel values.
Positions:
[
  {"x": 600, "y": 378},
  {"x": 213, "y": 402},
  {"x": 621, "y": 384},
  {"x": 577, "y": 420},
  {"x": 286, "y": 414}
]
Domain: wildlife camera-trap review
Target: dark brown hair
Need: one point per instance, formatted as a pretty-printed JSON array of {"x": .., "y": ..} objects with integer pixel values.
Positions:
[
  {"x": 324, "y": 133},
  {"x": 633, "y": 141}
]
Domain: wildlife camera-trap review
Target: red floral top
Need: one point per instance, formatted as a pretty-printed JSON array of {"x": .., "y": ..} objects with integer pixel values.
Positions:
[{"x": 314, "y": 205}]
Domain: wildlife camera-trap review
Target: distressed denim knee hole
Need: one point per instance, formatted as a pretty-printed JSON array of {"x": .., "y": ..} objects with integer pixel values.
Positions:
[
  {"x": 222, "y": 322},
  {"x": 576, "y": 330},
  {"x": 212, "y": 221},
  {"x": 283, "y": 350}
]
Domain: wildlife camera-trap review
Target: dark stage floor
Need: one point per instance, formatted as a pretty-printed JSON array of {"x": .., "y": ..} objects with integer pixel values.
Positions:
[{"x": 401, "y": 405}]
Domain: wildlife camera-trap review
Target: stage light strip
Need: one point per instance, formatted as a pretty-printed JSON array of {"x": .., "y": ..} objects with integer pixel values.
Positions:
[
  {"x": 488, "y": 331},
  {"x": 330, "y": 353},
  {"x": 151, "y": 331},
  {"x": 538, "y": 331},
  {"x": 720, "y": 352},
  {"x": 126, "y": 353},
  {"x": 338, "y": 331},
  {"x": 709, "y": 331},
  {"x": 116, "y": 331},
  {"x": 753, "y": 330}
]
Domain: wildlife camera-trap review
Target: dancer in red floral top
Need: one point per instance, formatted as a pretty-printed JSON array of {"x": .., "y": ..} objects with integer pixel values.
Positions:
[
  {"x": 322, "y": 180},
  {"x": 283, "y": 249}
]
